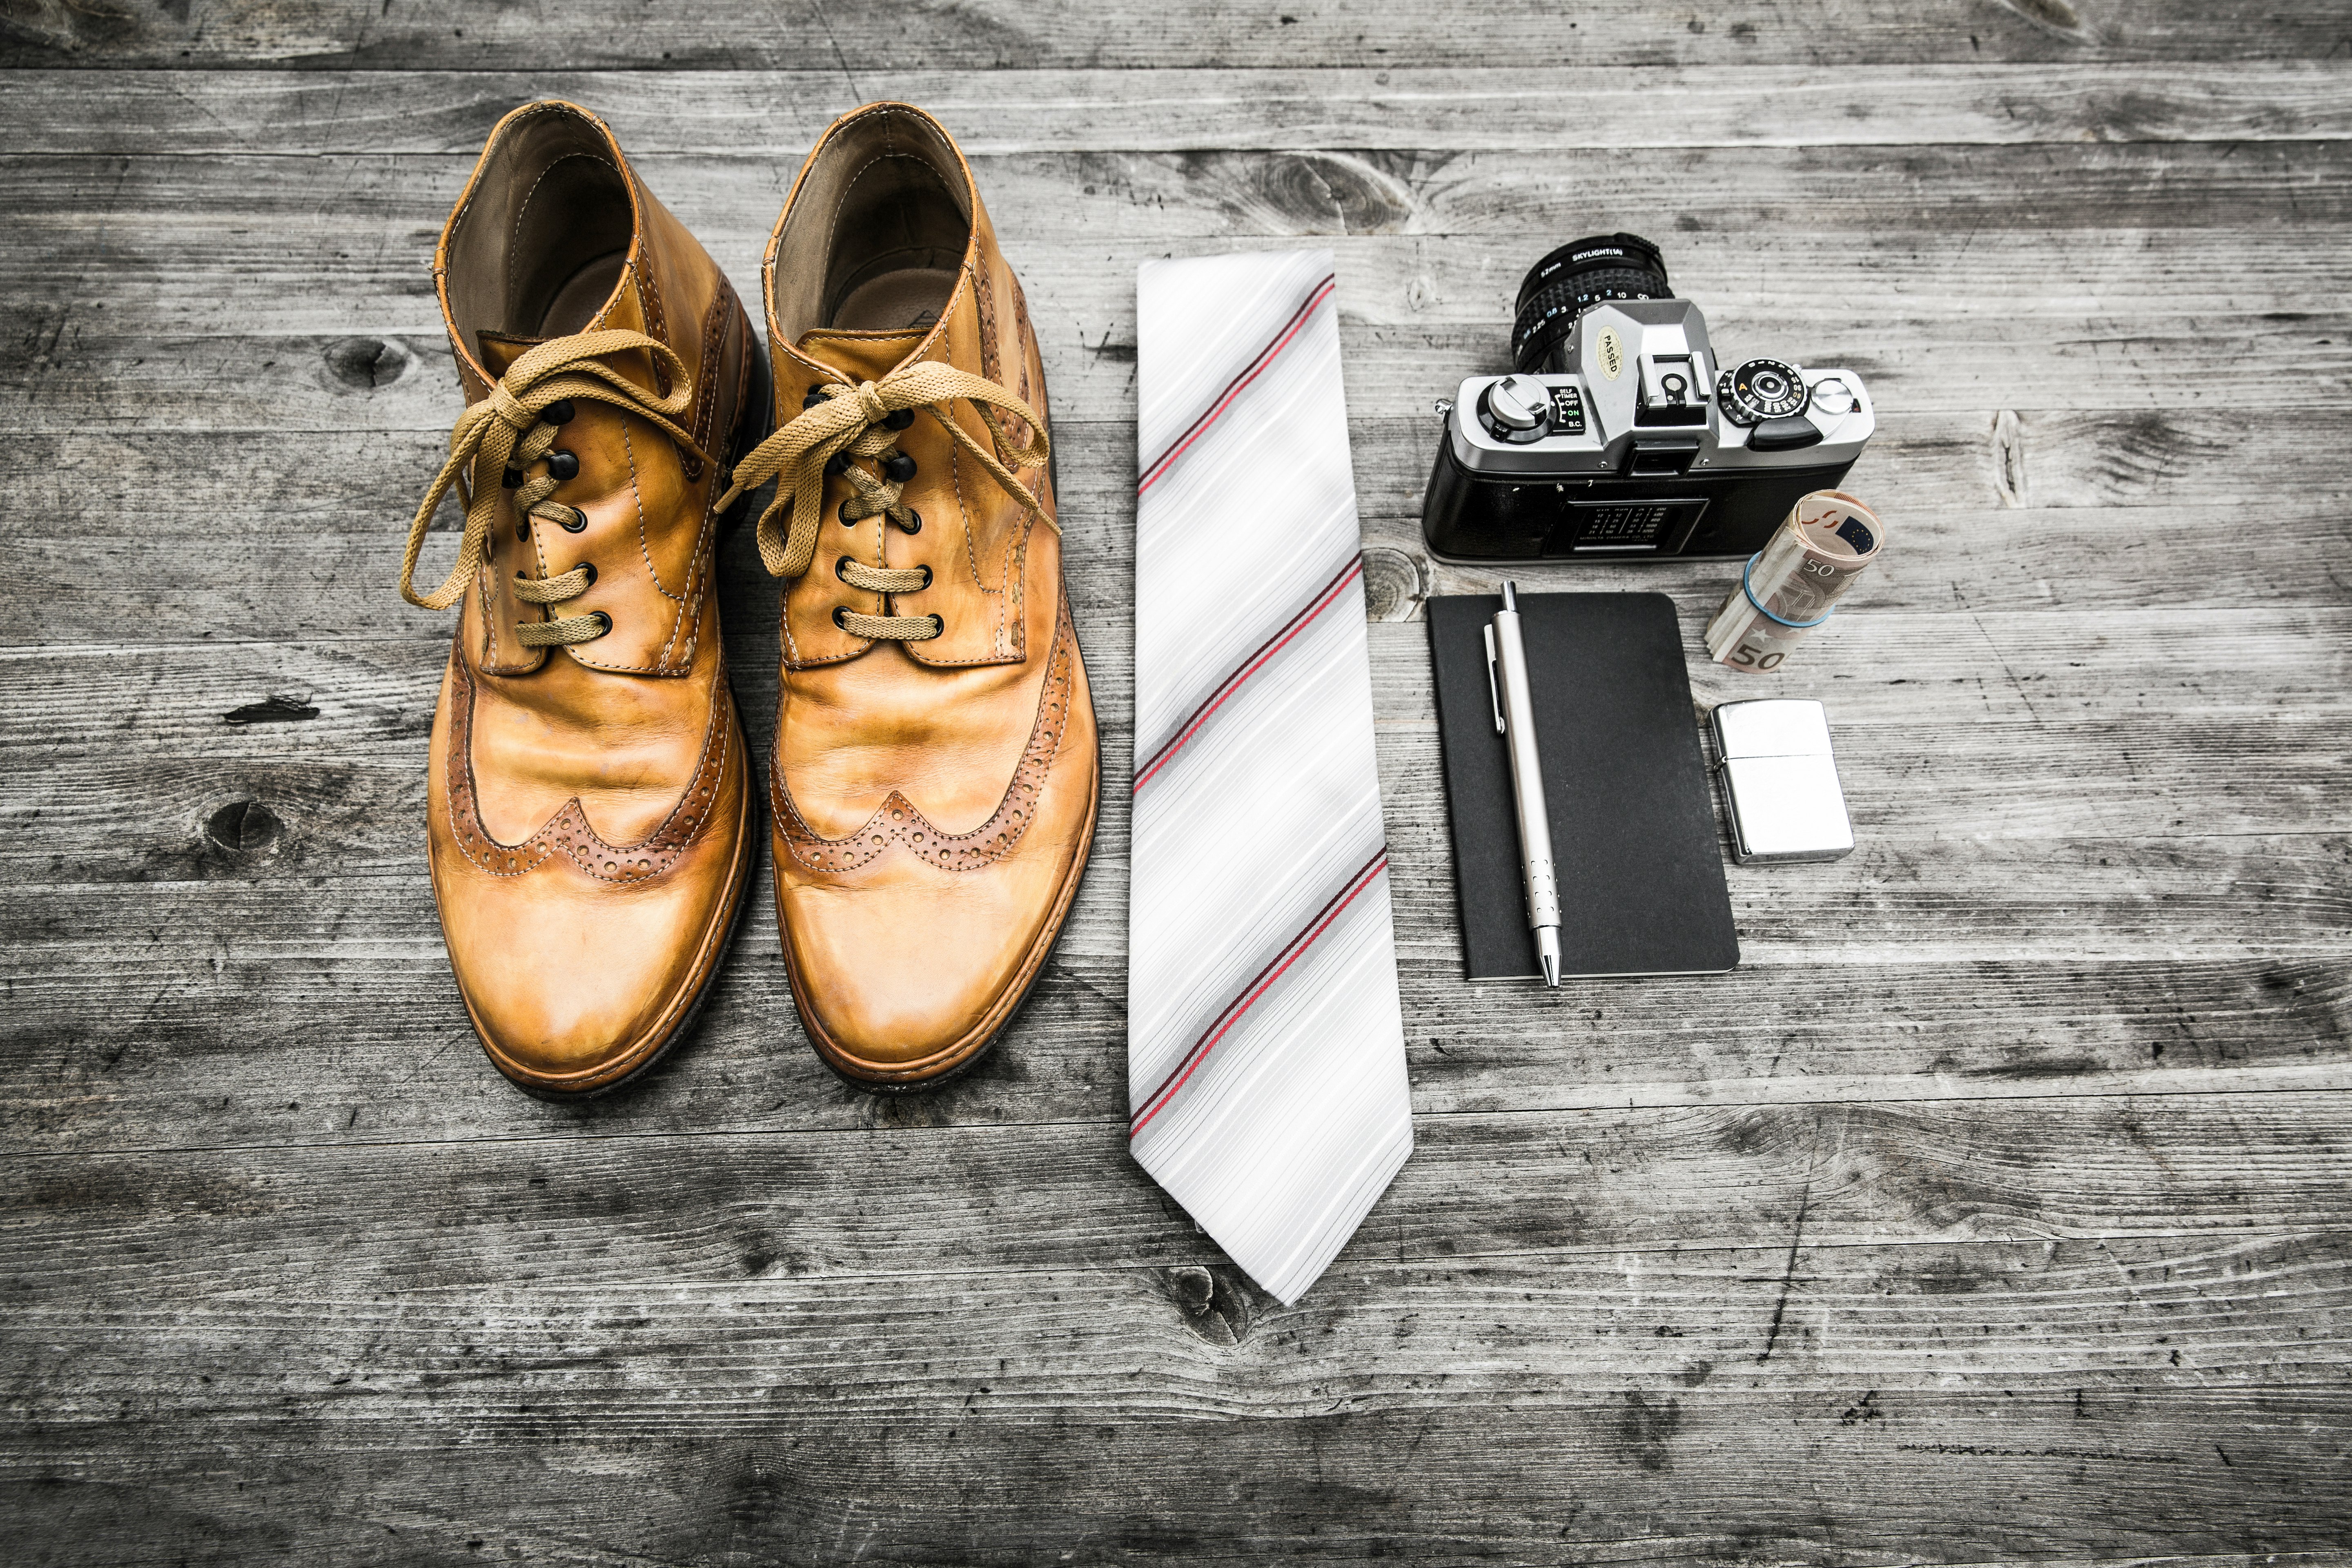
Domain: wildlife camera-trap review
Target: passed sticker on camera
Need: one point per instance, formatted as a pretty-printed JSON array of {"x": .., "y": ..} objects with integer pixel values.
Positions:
[{"x": 1611, "y": 349}]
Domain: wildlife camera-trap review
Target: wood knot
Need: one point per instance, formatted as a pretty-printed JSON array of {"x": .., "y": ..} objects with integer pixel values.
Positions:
[
  {"x": 1324, "y": 193},
  {"x": 1213, "y": 1303},
  {"x": 274, "y": 709},
  {"x": 1392, "y": 584},
  {"x": 2008, "y": 458},
  {"x": 244, "y": 826},
  {"x": 367, "y": 363}
]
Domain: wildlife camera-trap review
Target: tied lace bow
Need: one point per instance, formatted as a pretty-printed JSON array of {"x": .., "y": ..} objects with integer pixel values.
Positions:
[
  {"x": 847, "y": 423},
  {"x": 513, "y": 429}
]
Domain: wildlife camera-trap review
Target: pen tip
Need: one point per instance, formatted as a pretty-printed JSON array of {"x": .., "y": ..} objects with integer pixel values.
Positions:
[{"x": 1551, "y": 971}]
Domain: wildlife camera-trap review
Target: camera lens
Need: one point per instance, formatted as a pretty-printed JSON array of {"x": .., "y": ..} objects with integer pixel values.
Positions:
[{"x": 1571, "y": 282}]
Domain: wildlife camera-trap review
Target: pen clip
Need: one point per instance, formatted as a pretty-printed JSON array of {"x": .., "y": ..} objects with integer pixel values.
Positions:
[{"x": 1494, "y": 692}]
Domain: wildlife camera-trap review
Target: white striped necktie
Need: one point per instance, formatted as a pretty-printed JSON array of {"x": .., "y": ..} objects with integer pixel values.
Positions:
[{"x": 1264, "y": 1043}]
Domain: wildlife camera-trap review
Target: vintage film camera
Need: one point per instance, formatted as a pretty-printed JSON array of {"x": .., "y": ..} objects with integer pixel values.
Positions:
[{"x": 1619, "y": 437}]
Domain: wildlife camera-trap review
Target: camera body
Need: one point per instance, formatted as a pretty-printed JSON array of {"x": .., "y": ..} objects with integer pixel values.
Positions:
[{"x": 1619, "y": 437}]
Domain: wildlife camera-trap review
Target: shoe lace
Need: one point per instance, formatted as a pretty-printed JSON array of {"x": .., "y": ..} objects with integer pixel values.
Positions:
[
  {"x": 842, "y": 426},
  {"x": 514, "y": 428}
]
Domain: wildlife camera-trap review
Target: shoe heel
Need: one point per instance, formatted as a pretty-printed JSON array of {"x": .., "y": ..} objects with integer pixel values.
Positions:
[{"x": 752, "y": 422}]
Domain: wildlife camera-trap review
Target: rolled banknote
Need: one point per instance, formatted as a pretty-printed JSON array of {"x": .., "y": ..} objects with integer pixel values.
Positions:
[{"x": 1787, "y": 588}]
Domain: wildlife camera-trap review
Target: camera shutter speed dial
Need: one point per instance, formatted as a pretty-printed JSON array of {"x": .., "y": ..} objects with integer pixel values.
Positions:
[
  {"x": 1517, "y": 404},
  {"x": 1759, "y": 390}
]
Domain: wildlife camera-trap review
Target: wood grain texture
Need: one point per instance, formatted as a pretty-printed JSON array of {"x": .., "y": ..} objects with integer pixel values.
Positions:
[
  {"x": 1460, "y": 108},
  {"x": 1993, "y": 1210},
  {"x": 855, "y": 35}
]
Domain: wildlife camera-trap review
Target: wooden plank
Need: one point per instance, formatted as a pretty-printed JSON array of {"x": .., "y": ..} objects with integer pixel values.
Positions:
[
  {"x": 1459, "y": 108},
  {"x": 92, "y": 816},
  {"x": 143, "y": 333},
  {"x": 2253, "y": 741},
  {"x": 166, "y": 275},
  {"x": 862, "y": 35},
  {"x": 173, "y": 349},
  {"x": 90, "y": 378},
  {"x": 2264, "y": 684},
  {"x": 98, "y": 584},
  {"x": 588, "y": 1216},
  {"x": 1904, "y": 899},
  {"x": 669, "y": 1351},
  {"x": 1799, "y": 195},
  {"x": 2150, "y": 486},
  {"x": 1648, "y": 1472},
  {"x": 158, "y": 218},
  {"x": 202, "y": 1034}
]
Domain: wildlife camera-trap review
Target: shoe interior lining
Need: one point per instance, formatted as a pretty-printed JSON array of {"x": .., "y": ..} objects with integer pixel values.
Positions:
[
  {"x": 879, "y": 231},
  {"x": 897, "y": 298},
  {"x": 582, "y": 298},
  {"x": 541, "y": 246}
]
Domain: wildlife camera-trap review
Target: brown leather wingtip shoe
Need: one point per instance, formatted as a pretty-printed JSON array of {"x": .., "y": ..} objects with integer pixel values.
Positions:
[
  {"x": 589, "y": 809},
  {"x": 934, "y": 789}
]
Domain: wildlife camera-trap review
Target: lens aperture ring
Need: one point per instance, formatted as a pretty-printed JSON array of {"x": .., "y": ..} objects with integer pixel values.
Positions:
[{"x": 1550, "y": 313}]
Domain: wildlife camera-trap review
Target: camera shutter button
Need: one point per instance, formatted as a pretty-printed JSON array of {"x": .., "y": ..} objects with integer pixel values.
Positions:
[
  {"x": 1518, "y": 403},
  {"x": 1833, "y": 396}
]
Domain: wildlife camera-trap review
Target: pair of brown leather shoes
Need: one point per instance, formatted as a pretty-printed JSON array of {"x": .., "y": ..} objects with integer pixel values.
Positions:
[{"x": 933, "y": 791}]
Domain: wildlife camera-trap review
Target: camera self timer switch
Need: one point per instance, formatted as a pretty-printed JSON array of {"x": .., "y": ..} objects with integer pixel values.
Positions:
[{"x": 1517, "y": 409}]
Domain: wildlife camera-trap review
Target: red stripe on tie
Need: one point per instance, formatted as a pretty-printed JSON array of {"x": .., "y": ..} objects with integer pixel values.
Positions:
[
  {"x": 1234, "y": 389},
  {"x": 1257, "y": 988},
  {"x": 1266, "y": 650}
]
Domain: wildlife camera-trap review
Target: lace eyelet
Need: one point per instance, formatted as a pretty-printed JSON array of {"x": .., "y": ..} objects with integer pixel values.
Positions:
[
  {"x": 840, "y": 567},
  {"x": 603, "y": 622},
  {"x": 836, "y": 465},
  {"x": 558, "y": 412},
  {"x": 589, "y": 567},
  {"x": 839, "y": 611},
  {"x": 914, "y": 523},
  {"x": 898, "y": 419},
  {"x": 939, "y": 626},
  {"x": 511, "y": 479},
  {"x": 898, "y": 467},
  {"x": 927, "y": 576},
  {"x": 522, "y": 528},
  {"x": 577, "y": 522},
  {"x": 563, "y": 464}
]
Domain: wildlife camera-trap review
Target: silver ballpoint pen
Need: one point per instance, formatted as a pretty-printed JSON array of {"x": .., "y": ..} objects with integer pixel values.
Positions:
[{"x": 1515, "y": 720}]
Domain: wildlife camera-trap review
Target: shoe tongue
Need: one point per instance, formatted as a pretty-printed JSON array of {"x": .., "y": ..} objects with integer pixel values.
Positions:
[
  {"x": 862, "y": 356},
  {"x": 500, "y": 351}
]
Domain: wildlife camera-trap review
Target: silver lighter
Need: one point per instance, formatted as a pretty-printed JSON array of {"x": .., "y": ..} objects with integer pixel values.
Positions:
[{"x": 1781, "y": 782}]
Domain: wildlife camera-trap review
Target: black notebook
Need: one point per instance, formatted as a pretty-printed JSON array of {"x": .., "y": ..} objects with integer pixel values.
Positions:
[{"x": 1632, "y": 819}]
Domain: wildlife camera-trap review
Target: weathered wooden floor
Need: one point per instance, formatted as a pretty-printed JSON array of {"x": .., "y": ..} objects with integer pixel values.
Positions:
[{"x": 2000, "y": 1207}]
